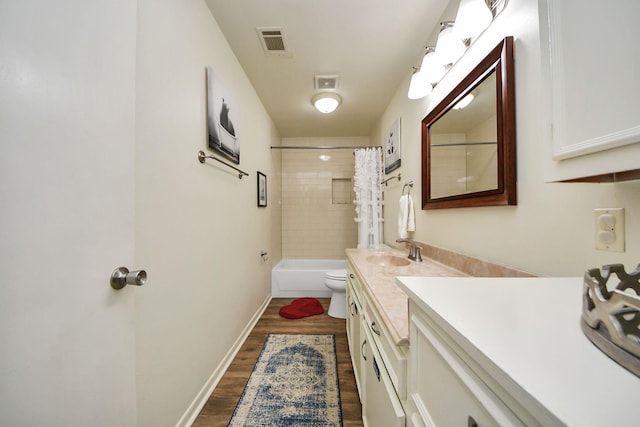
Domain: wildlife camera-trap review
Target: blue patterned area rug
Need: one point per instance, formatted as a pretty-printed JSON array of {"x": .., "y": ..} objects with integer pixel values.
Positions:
[{"x": 294, "y": 383}]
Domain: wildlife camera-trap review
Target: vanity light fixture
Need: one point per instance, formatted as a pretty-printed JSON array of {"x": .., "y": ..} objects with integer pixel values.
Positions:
[
  {"x": 432, "y": 69},
  {"x": 326, "y": 102},
  {"x": 472, "y": 19},
  {"x": 419, "y": 87},
  {"x": 449, "y": 48}
]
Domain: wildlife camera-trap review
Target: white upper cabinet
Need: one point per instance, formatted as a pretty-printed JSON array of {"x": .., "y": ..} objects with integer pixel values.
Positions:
[{"x": 591, "y": 73}]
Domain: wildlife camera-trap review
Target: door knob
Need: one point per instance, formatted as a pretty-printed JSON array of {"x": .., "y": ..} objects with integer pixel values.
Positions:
[{"x": 122, "y": 277}]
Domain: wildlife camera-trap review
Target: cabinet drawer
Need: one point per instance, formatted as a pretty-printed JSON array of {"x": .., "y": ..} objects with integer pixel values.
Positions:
[
  {"x": 445, "y": 391},
  {"x": 354, "y": 325},
  {"x": 393, "y": 356},
  {"x": 381, "y": 407},
  {"x": 353, "y": 284},
  {"x": 352, "y": 278}
]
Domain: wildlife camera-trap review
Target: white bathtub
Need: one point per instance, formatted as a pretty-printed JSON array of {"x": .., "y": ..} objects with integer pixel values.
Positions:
[{"x": 294, "y": 278}]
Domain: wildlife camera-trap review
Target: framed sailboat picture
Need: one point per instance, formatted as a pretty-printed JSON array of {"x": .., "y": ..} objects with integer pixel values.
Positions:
[{"x": 392, "y": 147}]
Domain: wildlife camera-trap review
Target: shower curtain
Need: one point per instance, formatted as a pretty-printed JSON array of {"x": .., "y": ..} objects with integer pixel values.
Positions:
[{"x": 368, "y": 189}]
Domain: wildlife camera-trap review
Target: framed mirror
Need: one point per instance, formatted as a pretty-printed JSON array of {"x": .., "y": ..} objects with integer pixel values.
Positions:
[{"x": 469, "y": 139}]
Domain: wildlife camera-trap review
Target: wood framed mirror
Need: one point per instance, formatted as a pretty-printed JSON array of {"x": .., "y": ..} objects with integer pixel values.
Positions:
[{"x": 469, "y": 152}]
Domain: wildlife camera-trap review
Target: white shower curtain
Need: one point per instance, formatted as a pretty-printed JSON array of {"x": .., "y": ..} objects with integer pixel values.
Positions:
[{"x": 368, "y": 189}]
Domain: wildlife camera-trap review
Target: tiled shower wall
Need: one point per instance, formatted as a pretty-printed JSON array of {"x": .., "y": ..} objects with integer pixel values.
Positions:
[{"x": 317, "y": 198}]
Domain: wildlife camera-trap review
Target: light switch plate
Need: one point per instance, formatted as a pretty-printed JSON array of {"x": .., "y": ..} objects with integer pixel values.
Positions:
[{"x": 609, "y": 229}]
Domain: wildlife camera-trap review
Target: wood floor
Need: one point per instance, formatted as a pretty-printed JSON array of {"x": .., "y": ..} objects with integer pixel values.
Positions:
[{"x": 219, "y": 408}]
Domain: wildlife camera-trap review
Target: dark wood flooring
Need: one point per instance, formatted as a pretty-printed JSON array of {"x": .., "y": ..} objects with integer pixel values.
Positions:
[{"x": 219, "y": 408}]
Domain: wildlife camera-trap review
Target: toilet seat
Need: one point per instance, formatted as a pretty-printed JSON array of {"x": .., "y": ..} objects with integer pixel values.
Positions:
[{"x": 340, "y": 274}]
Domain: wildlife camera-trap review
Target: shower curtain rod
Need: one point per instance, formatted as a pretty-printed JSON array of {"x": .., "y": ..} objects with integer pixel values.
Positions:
[{"x": 321, "y": 147}]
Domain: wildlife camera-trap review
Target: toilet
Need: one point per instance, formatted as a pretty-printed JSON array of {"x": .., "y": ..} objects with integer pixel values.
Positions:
[{"x": 336, "y": 280}]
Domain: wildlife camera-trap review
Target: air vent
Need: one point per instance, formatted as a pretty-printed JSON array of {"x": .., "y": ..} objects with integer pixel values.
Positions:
[
  {"x": 273, "y": 41},
  {"x": 326, "y": 81}
]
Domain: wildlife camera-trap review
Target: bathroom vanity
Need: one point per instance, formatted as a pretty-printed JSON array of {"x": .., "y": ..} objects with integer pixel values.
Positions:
[
  {"x": 434, "y": 348},
  {"x": 378, "y": 330},
  {"x": 377, "y": 384}
]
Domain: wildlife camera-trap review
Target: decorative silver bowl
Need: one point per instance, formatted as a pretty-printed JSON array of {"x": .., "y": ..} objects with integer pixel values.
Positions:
[{"x": 611, "y": 318}]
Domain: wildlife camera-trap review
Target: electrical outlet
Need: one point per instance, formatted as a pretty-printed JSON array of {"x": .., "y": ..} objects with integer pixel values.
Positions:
[{"x": 609, "y": 229}]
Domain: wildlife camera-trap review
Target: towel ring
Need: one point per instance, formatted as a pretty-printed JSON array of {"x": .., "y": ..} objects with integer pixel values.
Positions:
[{"x": 408, "y": 184}]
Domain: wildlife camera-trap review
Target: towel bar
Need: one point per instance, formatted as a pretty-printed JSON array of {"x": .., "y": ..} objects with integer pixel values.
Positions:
[
  {"x": 202, "y": 157},
  {"x": 320, "y": 147},
  {"x": 389, "y": 179}
]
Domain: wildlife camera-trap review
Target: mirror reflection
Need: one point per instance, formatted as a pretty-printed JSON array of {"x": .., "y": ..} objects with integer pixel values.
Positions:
[{"x": 464, "y": 156}]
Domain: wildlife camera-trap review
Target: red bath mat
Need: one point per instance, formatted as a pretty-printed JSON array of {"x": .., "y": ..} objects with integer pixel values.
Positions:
[{"x": 302, "y": 307}]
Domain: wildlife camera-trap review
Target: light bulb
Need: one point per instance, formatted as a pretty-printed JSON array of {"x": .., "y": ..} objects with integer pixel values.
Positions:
[
  {"x": 464, "y": 102},
  {"x": 326, "y": 102},
  {"x": 449, "y": 48},
  {"x": 431, "y": 68},
  {"x": 419, "y": 87},
  {"x": 472, "y": 19}
]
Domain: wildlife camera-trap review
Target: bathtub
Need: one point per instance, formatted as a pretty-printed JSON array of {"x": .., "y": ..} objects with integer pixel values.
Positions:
[{"x": 294, "y": 278}]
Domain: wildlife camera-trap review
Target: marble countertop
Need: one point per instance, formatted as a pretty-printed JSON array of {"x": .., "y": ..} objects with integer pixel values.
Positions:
[{"x": 379, "y": 283}]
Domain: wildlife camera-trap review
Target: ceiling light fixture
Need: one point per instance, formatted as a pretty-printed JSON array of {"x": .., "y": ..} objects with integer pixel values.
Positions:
[{"x": 326, "y": 102}]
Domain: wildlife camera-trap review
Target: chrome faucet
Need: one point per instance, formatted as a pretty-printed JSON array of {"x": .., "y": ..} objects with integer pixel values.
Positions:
[{"x": 414, "y": 250}]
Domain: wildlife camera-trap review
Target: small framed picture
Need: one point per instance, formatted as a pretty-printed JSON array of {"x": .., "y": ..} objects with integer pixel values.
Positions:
[{"x": 262, "y": 190}]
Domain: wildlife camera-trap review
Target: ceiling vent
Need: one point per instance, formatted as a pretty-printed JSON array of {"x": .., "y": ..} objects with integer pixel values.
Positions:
[
  {"x": 326, "y": 81},
  {"x": 273, "y": 41}
]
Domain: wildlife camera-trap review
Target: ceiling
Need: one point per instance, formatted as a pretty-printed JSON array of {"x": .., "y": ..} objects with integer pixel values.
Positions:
[{"x": 370, "y": 44}]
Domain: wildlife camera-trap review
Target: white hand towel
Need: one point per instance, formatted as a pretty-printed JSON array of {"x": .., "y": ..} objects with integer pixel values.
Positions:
[
  {"x": 406, "y": 216},
  {"x": 403, "y": 217},
  {"x": 411, "y": 220}
]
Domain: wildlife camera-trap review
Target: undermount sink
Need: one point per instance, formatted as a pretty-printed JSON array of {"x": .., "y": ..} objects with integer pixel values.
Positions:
[{"x": 388, "y": 260}]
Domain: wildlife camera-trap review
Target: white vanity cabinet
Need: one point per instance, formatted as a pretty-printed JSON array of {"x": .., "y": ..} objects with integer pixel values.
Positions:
[
  {"x": 509, "y": 352},
  {"x": 378, "y": 363}
]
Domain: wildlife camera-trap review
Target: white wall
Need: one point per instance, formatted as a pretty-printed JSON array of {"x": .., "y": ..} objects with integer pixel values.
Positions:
[
  {"x": 198, "y": 230},
  {"x": 550, "y": 231}
]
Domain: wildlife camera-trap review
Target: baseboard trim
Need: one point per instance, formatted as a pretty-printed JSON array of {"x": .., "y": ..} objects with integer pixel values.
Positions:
[{"x": 196, "y": 406}]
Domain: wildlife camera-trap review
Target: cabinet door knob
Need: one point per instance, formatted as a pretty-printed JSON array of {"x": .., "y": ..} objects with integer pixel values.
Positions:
[
  {"x": 351, "y": 276},
  {"x": 471, "y": 422},
  {"x": 362, "y": 350}
]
